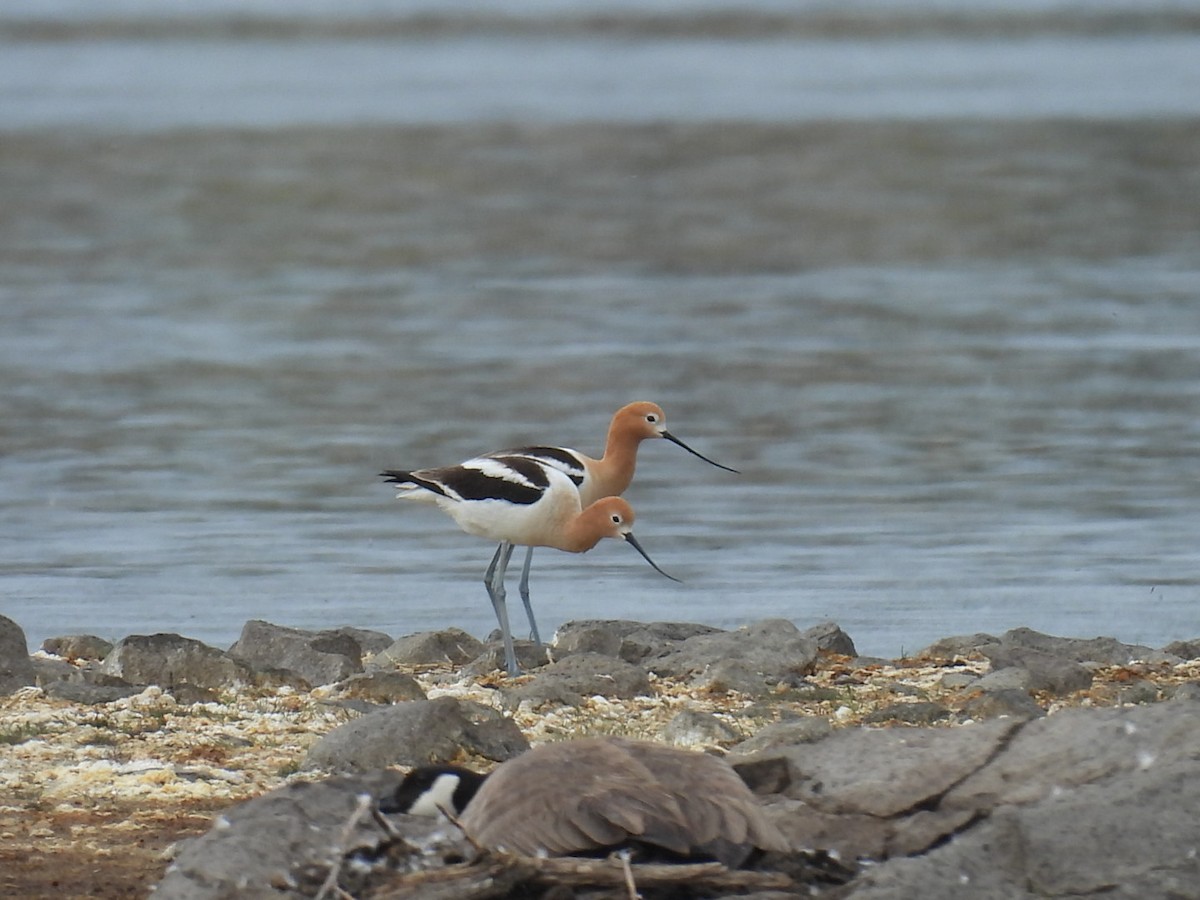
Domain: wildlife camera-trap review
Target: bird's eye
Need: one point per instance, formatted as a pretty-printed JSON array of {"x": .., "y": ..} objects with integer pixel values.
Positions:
[
  {"x": 652, "y": 419},
  {"x": 616, "y": 519}
]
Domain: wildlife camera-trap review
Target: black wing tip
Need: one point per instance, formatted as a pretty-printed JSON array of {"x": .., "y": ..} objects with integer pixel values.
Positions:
[{"x": 397, "y": 476}]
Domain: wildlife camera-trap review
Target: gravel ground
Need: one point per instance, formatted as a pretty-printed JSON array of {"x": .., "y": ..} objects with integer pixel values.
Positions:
[{"x": 94, "y": 797}]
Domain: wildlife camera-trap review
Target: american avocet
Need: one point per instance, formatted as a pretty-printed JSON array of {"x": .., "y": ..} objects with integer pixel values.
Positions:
[
  {"x": 590, "y": 794},
  {"x": 517, "y": 500},
  {"x": 608, "y": 476}
]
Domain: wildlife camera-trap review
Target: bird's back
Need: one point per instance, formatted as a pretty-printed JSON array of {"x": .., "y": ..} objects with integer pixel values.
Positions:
[
  {"x": 573, "y": 796},
  {"x": 589, "y": 794},
  {"x": 725, "y": 819},
  {"x": 575, "y": 465}
]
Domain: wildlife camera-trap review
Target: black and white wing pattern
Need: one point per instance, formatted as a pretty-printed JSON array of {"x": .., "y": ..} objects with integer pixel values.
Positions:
[
  {"x": 515, "y": 479},
  {"x": 569, "y": 462}
]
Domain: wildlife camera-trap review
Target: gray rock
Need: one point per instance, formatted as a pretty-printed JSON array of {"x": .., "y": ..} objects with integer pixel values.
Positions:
[
  {"x": 637, "y": 640},
  {"x": 1016, "y": 704},
  {"x": 450, "y": 645},
  {"x": 1067, "y": 805},
  {"x": 924, "y": 828},
  {"x": 420, "y": 732},
  {"x": 279, "y": 846},
  {"x": 692, "y": 728},
  {"x": 319, "y": 657},
  {"x": 273, "y": 679},
  {"x": 883, "y": 772},
  {"x": 94, "y": 673},
  {"x": 669, "y": 632},
  {"x": 1055, "y": 674},
  {"x": 48, "y": 671},
  {"x": 646, "y": 641},
  {"x": 803, "y": 730},
  {"x": 867, "y": 792},
  {"x": 569, "y": 680},
  {"x": 1104, "y": 650},
  {"x": 831, "y": 639},
  {"x": 773, "y": 648},
  {"x": 959, "y": 645},
  {"x": 1140, "y": 831},
  {"x": 901, "y": 689},
  {"x": 972, "y": 867},
  {"x": 188, "y": 694},
  {"x": 587, "y": 637},
  {"x": 1074, "y": 747},
  {"x": 88, "y": 693},
  {"x": 765, "y": 773},
  {"x": 491, "y": 660},
  {"x": 1134, "y": 837},
  {"x": 52, "y": 672},
  {"x": 922, "y": 712},
  {"x": 848, "y": 835},
  {"x": 816, "y": 693},
  {"x": 169, "y": 659},
  {"x": 1138, "y": 690},
  {"x": 866, "y": 662},
  {"x": 955, "y": 681},
  {"x": 381, "y": 687},
  {"x": 368, "y": 641},
  {"x": 1183, "y": 649},
  {"x": 735, "y": 675},
  {"x": 78, "y": 646},
  {"x": 16, "y": 669},
  {"x": 1189, "y": 691},
  {"x": 1005, "y": 680}
]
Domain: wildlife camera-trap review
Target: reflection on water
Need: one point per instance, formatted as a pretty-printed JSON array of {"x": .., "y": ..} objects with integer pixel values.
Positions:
[{"x": 955, "y": 357}]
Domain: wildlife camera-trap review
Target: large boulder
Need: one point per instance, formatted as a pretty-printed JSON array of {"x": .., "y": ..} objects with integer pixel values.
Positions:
[
  {"x": 1034, "y": 670},
  {"x": 170, "y": 660},
  {"x": 16, "y": 669},
  {"x": 1105, "y": 651},
  {"x": 631, "y": 641},
  {"x": 279, "y": 846},
  {"x": 580, "y": 675},
  {"x": 421, "y": 732},
  {"x": 450, "y": 645},
  {"x": 318, "y": 657},
  {"x": 78, "y": 646},
  {"x": 1131, "y": 838},
  {"x": 774, "y": 649}
]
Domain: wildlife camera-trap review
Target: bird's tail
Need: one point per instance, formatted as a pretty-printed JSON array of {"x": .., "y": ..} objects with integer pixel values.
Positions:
[{"x": 410, "y": 481}]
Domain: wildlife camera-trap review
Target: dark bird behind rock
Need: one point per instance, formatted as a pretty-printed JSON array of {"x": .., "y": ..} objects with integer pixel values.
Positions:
[{"x": 598, "y": 794}]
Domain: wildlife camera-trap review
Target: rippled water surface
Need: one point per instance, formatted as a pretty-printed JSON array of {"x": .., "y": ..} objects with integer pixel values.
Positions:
[{"x": 935, "y": 294}]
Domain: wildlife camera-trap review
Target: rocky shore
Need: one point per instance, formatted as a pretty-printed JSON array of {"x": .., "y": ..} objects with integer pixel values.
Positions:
[{"x": 1016, "y": 765}]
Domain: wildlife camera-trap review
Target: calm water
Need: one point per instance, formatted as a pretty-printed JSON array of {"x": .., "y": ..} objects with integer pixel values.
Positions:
[{"x": 934, "y": 293}]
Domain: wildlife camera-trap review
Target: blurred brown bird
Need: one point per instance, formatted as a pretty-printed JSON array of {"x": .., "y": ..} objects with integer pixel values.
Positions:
[{"x": 595, "y": 794}]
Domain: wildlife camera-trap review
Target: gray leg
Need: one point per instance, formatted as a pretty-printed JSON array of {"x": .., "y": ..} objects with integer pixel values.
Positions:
[
  {"x": 525, "y": 597},
  {"x": 493, "y": 580}
]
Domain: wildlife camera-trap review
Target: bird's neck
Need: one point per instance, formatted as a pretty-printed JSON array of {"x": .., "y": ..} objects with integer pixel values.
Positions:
[
  {"x": 450, "y": 791},
  {"x": 433, "y": 790},
  {"x": 615, "y": 468},
  {"x": 468, "y": 786},
  {"x": 583, "y": 532}
]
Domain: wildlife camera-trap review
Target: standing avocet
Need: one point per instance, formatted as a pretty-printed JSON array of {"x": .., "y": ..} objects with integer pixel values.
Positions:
[
  {"x": 517, "y": 500},
  {"x": 608, "y": 476}
]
